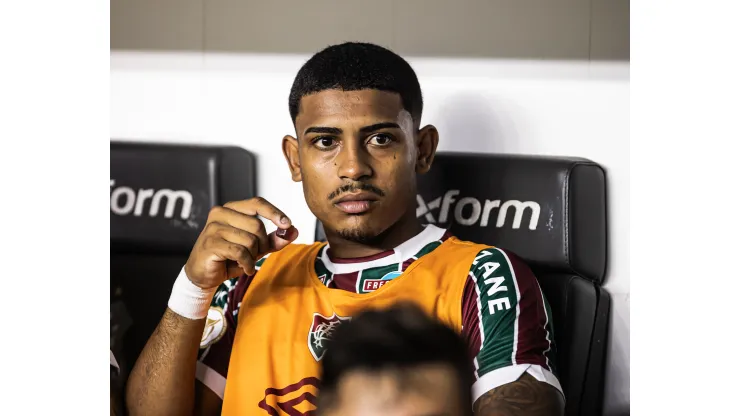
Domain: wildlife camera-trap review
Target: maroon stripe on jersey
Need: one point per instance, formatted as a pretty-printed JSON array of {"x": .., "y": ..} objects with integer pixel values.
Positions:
[
  {"x": 358, "y": 259},
  {"x": 219, "y": 352},
  {"x": 532, "y": 339},
  {"x": 407, "y": 263},
  {"x": 471, "y": 323},
  {"x": 236, "y": 296},
  {"x": 345, "y": 281}
]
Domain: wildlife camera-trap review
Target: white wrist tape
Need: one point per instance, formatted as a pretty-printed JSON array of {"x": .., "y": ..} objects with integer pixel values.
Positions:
[{"x": 189, "y": 300}]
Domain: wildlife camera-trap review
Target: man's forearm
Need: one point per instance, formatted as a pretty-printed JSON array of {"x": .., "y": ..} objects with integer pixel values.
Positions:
[
  {"x": 524, "y": 397},
  {"x": 163, "y": 379}
]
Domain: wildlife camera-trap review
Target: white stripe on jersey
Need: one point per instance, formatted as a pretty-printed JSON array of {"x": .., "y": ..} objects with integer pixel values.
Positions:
[
  {"x": 213, "y": 380},
  {"x": 357, "y": 282}
]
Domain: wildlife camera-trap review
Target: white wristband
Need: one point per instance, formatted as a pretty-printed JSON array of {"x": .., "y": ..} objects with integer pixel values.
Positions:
[{"x": 189, "y": 300}]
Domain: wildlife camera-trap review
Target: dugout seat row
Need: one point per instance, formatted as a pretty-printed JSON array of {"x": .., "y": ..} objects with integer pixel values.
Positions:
[
  {"x": 551, "y": 211},
  {"x": 160, "y": 199}
]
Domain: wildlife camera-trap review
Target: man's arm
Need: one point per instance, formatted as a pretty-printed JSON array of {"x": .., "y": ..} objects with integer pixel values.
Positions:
[
  {"x": 508, "y": 326},
  {"x": 163, "y": 378},
  {"x": 215, "y": 343},
  {"x": 207, "y": 403},
  {"x": 524, "y": 397},
  {"x": 233, "y": 240}
]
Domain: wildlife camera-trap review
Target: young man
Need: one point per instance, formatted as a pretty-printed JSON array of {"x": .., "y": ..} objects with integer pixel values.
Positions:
[
  {"x": 261, "y": 309},
  {"x": 400, "y": 361}
]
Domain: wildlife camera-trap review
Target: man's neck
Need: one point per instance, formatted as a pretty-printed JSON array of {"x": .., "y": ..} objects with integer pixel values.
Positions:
[{"x": 406, "y": 227}]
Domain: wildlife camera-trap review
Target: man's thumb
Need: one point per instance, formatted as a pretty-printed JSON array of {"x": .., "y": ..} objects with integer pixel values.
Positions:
[{"x": 280, "y": 238}]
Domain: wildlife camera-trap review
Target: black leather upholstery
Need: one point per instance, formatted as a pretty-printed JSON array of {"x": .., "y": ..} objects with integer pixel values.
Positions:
[
  {"x": 160, "y": 199},
  {"x": 551, "y": 211},
  {"x": 580, "y": 316}
]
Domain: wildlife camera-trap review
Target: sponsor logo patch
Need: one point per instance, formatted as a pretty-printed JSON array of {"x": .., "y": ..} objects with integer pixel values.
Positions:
[{"x": 371, "y": 285}]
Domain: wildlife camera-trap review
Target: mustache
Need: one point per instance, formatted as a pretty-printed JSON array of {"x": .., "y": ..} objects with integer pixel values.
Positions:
[{"x": 352, "y": 187}]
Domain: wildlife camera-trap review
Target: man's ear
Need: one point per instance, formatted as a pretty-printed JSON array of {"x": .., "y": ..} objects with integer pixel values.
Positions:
[
  {"x": 427, "y": 145},
  {"x": 290, "y": 150}
]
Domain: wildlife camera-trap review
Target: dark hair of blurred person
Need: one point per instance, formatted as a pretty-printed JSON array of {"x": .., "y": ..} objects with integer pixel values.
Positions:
[{"x": 394, "y": 362}]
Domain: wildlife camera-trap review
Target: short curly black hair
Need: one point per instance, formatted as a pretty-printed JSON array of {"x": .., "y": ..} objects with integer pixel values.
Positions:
[{"x": 354, "y": 66}]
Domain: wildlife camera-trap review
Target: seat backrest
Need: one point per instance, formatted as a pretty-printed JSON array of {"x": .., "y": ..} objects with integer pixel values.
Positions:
[
  {"x": 160, "y": 199},
  {"x": 551, "y": 212}
]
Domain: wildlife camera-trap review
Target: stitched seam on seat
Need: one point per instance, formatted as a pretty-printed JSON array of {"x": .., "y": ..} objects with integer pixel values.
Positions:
[{"x": 590, "y": 342}]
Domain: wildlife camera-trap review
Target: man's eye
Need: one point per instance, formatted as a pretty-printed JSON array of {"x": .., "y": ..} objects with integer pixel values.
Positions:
[
  {"x": 324, "y": 142},
  {"x": 380, "y": 140}
]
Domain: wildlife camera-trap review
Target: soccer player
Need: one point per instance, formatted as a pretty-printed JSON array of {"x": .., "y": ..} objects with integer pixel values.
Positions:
[
  {"x": 395, "y": 362},
  {"x": 250, "y": 314}
]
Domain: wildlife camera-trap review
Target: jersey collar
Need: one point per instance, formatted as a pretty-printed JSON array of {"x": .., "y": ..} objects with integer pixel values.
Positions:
[{"x": 403, "y": 252}]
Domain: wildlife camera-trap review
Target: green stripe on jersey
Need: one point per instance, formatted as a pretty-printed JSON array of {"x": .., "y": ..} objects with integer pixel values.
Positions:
[
  {"x": 222, "y": 293},
  {"x": 379, "y": 272},
  {"x": 260, "y": 262},
  {"x": 427, "y": 249},
  {"x": 321, "y": 271},
  {"x": 497, "y": 294}
]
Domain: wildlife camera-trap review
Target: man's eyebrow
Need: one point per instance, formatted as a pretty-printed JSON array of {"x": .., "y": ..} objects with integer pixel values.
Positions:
[
  {"x": 324, "y": 130},
  {"x": 378, "y": 126}
]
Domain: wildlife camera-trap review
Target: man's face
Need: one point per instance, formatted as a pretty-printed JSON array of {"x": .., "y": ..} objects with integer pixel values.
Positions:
[
  {"x": 428, "y": 390},
  {"x": 357, "y": 154}
]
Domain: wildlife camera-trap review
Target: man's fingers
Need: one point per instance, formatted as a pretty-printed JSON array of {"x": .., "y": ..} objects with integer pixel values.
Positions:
[
  {"x": 282, "y": 237},
  {"x": 226, "y": 250},
  {"x": 263, "y": 208},
  {"x": 240, "y": 221},
  {"x": 237, "y": 223},
  {"x": 233, "y": 269},
  {"x": 252, "y": 242}
]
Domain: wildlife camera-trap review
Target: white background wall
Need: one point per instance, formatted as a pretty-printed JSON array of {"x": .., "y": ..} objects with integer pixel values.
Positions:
[{"x": 575, "y": 108}]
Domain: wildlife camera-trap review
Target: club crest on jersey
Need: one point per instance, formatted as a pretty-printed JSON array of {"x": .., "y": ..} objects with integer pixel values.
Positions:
[
  {"x": 322, "y": 328},
  {"x": 367, "y": 285},
  {"x": 215, "y": 327}
]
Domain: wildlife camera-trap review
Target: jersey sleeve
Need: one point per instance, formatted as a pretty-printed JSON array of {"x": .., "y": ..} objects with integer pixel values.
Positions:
[
  {"x": 219, "y": 332},
  {"x": 507, "y": 323}
]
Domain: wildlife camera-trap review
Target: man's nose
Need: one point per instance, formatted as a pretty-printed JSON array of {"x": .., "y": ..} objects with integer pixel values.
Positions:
[{"x": 353, "y": 162}]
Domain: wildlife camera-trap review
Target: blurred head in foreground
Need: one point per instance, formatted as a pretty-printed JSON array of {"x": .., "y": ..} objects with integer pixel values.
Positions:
[{"x": 395, "y": 362}]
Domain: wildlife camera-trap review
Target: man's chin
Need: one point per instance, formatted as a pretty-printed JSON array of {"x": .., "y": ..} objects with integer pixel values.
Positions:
[
  {"x": 362, "y": 229},
  {"x": 358, "y": 235}
]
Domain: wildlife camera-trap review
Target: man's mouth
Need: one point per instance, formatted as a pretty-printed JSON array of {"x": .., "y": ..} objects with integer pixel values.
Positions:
[{"x": 356, "y": 203}]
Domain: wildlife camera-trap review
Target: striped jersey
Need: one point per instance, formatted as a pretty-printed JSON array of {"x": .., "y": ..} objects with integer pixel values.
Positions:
[{"x": 487, "y": 293}]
